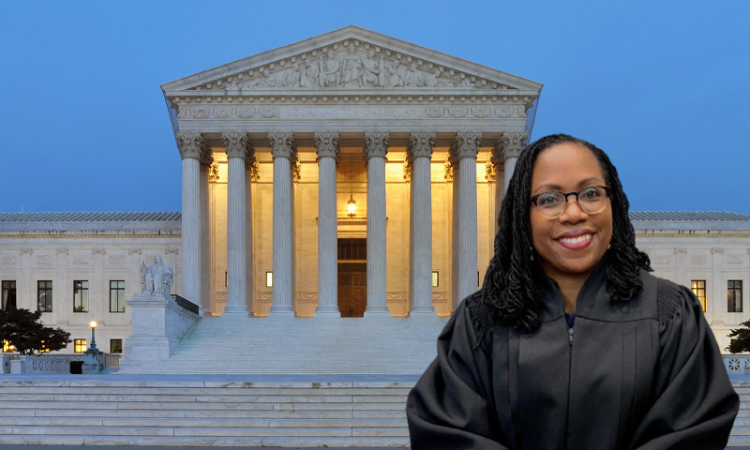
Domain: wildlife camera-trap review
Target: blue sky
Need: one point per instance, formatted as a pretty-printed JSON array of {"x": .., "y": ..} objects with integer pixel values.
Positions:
[{"x": 662, "y": 87}]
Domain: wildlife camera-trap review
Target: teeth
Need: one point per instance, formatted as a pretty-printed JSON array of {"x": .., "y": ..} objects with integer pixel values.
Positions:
[{"x": 576, "y": 240}]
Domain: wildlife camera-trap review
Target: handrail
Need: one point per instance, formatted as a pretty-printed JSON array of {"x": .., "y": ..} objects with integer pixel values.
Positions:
[{"x": 186, "y": 304}]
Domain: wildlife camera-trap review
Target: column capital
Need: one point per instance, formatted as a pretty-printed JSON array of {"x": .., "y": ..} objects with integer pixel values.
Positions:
[
  {"x": 466, "y": 145},
  {"x": 512, "y": 143},
  {"x": 327, "y": 144},
  {"x": 190, "y": 145},
  {"x": 282, "y": 145},
  {"x": 421, "y": 144},
  {"x": 376, "y": 144},
  {"x": 238, "y": 146},
  {"x": 680, "y": 250},
  {"x": 717, "y": 250}
]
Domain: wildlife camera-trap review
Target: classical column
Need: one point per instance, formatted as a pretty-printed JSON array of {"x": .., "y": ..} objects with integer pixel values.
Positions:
[
  {"x": 327, "y": 148},
  {"x": 251, "y": 175},
  {"x": 191, "y": 148},
  {"x": 496, "y": 177},
  {"x": 376, "y": 147},
  {"x": 513, "y": 142},
  {"x": 213, "y": 178},
  {"x": 719, "y": 310},
  {"x": 205, "y": 308},
  {"x": 463, "y": 155},
  {"x": 284, "y": 155},
  {"x": 238, "y": 152},
  {"x": 419, "y": 153}
]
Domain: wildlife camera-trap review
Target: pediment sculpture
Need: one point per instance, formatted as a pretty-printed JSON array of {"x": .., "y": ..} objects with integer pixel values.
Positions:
[{"x": 349, "y": 67}]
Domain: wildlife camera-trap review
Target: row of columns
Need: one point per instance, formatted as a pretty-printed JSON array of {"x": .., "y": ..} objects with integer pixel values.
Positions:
[{"x": 240, "y": 156}]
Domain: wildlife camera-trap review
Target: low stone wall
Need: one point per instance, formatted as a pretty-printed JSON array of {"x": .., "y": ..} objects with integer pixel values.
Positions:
[
  {"x": 158, "y": 326},
  {"x": 737, "y": 364},
  {"x": 57, "y": 363}
]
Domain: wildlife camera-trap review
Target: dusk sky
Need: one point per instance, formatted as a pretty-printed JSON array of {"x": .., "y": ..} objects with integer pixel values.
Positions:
[{"x": 662, "y": 87}]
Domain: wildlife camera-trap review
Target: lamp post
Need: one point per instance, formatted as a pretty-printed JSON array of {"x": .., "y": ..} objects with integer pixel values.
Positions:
[
  {"x": 93, "y": 335},
  {"x": 92, "y": 358}
]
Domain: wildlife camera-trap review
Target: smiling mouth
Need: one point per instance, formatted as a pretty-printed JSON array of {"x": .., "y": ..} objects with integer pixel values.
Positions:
[
  {"x": 577, "y": 242},
  {"x": 577, "y": 239}
]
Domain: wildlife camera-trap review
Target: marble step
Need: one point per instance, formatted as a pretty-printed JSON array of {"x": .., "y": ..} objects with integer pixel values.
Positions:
[
  {"x": 272, "y": 399},
  {"x": 326, "y": 432},
  {"x": 205, "y": 423},
  {"x": 369, "y": 406},
  {"x": 151, "y": 441},
  {"x": 742, "y": 430},
  {"x": 228, "y": 392},
  {"x": 211, "y": 414}
]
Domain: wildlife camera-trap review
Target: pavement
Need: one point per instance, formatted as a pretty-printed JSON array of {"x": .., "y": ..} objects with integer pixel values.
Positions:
[{"x": 118, "y": 447}]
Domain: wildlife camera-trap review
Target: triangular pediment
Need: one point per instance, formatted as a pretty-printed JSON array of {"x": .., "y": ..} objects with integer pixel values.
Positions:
[{"x": 350, "y": 59}]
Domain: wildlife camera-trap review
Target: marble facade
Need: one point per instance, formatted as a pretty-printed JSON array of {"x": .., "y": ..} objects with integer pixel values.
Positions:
[
  {"x": 419, "y": 138},
  {"x": 272, "y": 149}
]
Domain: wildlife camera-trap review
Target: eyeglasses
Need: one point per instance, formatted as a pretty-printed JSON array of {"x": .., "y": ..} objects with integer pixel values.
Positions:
[{"x": 591, "y": 200}]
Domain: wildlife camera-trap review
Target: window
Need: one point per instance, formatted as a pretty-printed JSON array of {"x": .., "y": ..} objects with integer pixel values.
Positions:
[
  {"x": 435, "y": 278},
  {"x": 734, "y": 296},
  {"x": 117, "y": 296},
  {"x": 9, "y": 296},
  {"x": 79, "y": 345},
  {"x": 269, "y": 279},
  {"x": 80, "y": 296},
  {"x": 699, "y": 289},
  {"x": 115, "y": 345},
  {"x": 44, "y": 295}
]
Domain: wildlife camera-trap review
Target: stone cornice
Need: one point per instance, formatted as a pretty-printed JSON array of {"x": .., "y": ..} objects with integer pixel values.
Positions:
[
  {"x": 78, "y": 235},
  {"x": 466, "y": 145},
  {"x": 421, "y": 144},
  {"x": 376, "y": 144},
  {"x": 327, "y": 144},
  {"x": 350, "y": 107}
]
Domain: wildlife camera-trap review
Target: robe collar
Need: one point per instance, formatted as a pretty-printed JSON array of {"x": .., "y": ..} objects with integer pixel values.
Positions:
[{"x": 593, "y": 295}]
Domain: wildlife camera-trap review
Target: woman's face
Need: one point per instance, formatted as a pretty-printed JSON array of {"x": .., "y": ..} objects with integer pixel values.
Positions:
[{"x": 571, "y": 245}]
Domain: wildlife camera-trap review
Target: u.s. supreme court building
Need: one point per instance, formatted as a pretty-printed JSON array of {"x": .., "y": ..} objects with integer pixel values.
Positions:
[{"x": 348, "y": 175}]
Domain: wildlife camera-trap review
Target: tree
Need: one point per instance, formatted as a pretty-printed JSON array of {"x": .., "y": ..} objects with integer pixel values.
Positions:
[
  {"x": 23, "y": 329},
  {"x": 740, "y": 339}
]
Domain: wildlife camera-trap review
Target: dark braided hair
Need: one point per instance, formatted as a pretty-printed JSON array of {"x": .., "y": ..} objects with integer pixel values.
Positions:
[{"x": 510, "y": 293}]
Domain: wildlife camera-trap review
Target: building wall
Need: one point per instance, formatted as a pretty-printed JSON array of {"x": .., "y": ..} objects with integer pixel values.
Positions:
[
  {"x": 715, "y": 258},
  {"x": 97, "y": 257}
]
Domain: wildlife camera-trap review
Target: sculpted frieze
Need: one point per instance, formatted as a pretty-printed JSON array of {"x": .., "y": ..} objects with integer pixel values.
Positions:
[
  {"x": 235, "y": 112},
  {"x": 350, "y": 66},
  {"x": 228, "y": 112}
]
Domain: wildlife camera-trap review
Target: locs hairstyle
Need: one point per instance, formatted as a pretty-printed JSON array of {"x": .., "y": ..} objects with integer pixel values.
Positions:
[{"x": 509, "y": 294}]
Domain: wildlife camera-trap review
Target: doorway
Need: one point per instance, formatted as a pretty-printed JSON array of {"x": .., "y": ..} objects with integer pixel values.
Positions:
[{"x": 352, "y": 289}]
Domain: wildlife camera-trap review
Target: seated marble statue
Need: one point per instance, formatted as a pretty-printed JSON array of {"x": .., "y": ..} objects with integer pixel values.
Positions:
[{"x": 157, "y": 278}]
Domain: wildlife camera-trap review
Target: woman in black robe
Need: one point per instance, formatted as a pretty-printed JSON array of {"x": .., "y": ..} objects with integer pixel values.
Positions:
[{"x": 571, "y": 343}]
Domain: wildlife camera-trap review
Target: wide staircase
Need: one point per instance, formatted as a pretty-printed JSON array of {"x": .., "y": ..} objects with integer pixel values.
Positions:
[
  {"x": 362, "y": 346},
  {"x": 204, "y": 411},
  {"x": 250, "y": 411}
]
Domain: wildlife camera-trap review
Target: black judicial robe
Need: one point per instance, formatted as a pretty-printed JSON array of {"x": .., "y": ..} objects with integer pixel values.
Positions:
[{"x": 646, "y": 374}]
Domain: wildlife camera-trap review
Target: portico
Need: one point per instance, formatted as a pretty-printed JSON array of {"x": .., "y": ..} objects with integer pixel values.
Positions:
[{"x": 274, "y": 145}]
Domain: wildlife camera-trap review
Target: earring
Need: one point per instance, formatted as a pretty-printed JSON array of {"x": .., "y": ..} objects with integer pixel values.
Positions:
[
  {"x": 609, "y": 246},
  {"x": 532, "y": 252}
]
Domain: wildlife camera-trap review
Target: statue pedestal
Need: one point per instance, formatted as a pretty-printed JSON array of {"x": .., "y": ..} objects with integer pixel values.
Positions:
[{"x": 158, "y": 325}]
